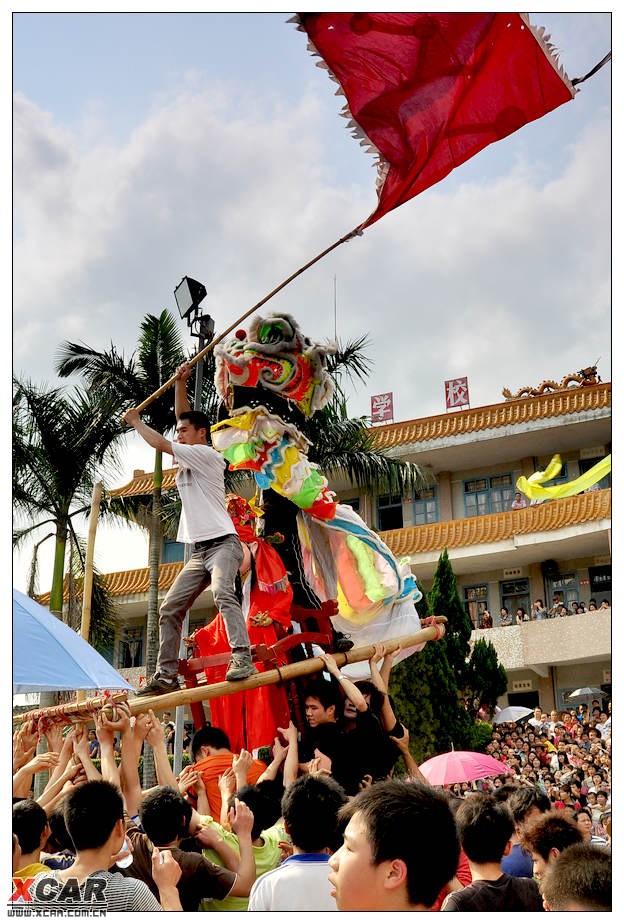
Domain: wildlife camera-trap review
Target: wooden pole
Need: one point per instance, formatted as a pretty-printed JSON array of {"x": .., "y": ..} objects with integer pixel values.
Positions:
[
  {"x": 78, "y": 712},
  {"x": 87, "y": 587},
  {"x": 259, "y": 304}
]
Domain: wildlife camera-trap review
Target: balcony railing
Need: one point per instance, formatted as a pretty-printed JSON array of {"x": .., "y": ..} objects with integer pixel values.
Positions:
[
  {"x": 562, "y": 640},
  {"x": 496, "y": 527}
]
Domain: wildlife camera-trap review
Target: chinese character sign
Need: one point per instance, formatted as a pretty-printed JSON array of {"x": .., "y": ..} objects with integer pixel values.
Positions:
[
  {"x": 381, "y": 408},
  {"x": 456, "y": 391}
]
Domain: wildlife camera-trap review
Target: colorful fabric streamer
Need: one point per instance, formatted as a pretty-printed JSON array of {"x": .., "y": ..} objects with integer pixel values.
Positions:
[
  {"x": 533, "y": 486},
  {"x": 344, "y": 560},
  {"x": 428, "y": 91},
  {"x": 275, "y": 452}
]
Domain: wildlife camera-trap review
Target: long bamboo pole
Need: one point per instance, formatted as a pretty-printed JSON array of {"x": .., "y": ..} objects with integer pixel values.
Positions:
[
  {"x": 77, "y": 712},
  {"x": 259, "y": 304},
  {"x": 87, "y": 585}
]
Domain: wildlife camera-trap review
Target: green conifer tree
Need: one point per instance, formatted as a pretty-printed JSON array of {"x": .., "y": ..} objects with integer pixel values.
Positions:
[
  {"x": 426, "y": 686},
  {"x": 486, "y": 677}
]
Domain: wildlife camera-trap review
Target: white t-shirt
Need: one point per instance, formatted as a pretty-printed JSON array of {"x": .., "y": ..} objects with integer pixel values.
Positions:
[
  {"x": 201, "y": 487},
  {"x": 299, "y": 884}
]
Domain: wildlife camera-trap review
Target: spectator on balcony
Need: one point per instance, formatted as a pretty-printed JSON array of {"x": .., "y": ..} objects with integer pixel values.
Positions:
[
  {"x": 554, "y": 610},
  {"x": 505, "y": 616},
  {"x": 593, "y": 608},
  {"x": 519, "y": 502},
  {"x": 521, "y": 615},
  {"x": 575, "y": 607},
  {"x": 582, "y": 608},
  {"x": 538, "y": 610},
  {"x": 605, "y": 605},
  {"x": 486, "y": 620}
]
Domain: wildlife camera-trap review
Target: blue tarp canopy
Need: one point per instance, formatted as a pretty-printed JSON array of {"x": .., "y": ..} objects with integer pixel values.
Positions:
[{"x": 48, "y": 655}]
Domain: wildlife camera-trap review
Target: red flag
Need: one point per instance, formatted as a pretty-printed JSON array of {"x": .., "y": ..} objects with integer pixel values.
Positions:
[{"x": 428, "y": 91}]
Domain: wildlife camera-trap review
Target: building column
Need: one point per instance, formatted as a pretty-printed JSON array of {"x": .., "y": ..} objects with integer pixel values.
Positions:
[{"x": 445, "y": 500}]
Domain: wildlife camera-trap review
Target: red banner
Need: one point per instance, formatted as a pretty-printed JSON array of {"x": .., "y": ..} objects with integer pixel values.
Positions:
[
  {"x": 456, "y": 393},
  {"x": 431, "y": 90},
  {"x": 382, "y": 407}
]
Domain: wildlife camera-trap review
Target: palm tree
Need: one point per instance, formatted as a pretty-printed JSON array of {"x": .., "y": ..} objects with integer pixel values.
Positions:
[
  {"x": 343, "y": 445},
  {"x": 60, "y": 444},
  {"x": 129, "y": 381}
]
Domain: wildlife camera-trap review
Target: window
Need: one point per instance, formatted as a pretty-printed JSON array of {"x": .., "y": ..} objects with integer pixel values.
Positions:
[
  {"x": 390, "y": 511},
  {"x": 426, "y": 506},
  {"x": 600, "y": 579},
  {"x": 172, "y": 551},
  {"x": 488, "y": 495},
  {"x": 566, "y": 588},
  {"x": 131, "y": 647},
  {"x": 475, "y": 602},
  {"x": 562, "y": 477},
  {"x": 515, "y": 594},
  {"x": 586, "y": 464}
]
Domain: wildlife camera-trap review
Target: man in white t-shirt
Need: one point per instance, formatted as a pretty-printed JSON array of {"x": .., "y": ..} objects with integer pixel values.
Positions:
[
  {"x": 205, "y": 525},
  {"x": 310, "y": 807}
]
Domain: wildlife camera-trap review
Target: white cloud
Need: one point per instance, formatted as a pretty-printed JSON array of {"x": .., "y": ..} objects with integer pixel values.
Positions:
[{"x": 503, "y": 279}]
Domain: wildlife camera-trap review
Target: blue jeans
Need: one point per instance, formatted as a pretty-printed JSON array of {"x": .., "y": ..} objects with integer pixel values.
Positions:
[{"x": 215, "y": 564}]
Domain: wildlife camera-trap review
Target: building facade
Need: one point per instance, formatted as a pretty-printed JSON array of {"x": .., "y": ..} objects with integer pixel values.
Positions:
[{"x": 502, "y": 557}]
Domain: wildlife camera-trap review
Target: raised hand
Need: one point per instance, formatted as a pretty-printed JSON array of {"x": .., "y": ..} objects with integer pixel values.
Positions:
[
  {"x": 242, "y": 762},
  {"x": 54, "y": 737},
  {"x": 241, "y": 818},
  {"x": 227, "y": 784},
  {"x": 290, "y": 734}
]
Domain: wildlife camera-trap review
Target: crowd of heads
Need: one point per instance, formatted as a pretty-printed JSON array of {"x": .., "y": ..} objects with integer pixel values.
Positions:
[{"x": 396, "y": 843}]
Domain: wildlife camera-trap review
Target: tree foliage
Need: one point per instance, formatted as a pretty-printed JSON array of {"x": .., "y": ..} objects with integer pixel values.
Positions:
[
  {"x": 426, "y": 686},
  {"x": 61, "y": 443},
  {"x": 443, "y": 600},
  {"x": 486, "y": 678}
]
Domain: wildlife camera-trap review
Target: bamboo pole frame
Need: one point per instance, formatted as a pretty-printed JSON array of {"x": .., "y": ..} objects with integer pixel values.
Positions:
[{"x": 80, "y": 712}]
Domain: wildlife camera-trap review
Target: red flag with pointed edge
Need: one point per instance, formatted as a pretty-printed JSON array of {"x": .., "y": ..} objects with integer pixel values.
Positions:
[{"x": 428, "y": 91}]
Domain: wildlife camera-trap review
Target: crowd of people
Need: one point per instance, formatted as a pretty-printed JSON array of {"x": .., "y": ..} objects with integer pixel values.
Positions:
[
  {"x": 333, "y": 821},
  {"x": 326, "y": 824},
  {"x": 540, "y": 611}
]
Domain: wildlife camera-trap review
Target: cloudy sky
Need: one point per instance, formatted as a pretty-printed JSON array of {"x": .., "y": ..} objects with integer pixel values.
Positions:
[{"x": 151, "y": 146}]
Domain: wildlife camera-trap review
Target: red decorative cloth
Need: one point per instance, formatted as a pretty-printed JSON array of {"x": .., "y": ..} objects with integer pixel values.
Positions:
[{"x": 251, "y": 718}]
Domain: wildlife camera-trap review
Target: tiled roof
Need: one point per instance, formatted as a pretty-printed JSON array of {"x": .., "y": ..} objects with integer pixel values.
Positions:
[
  {"x": 495, "y": 527},
  {"x": 142, "y": 484},
  {"x": 136, "y": 581},
  {"x": 595, "y": 505},
  {"x": 520, "y": 410}
]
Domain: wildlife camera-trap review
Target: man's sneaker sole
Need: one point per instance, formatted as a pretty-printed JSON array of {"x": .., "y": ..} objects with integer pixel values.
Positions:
[
  {"x": 159, "y": 689},
  {"x": 240, "y": 673}
]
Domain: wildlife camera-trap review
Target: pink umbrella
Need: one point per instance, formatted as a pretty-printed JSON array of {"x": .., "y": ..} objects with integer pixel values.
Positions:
[{"x": 460, "y": 767}]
